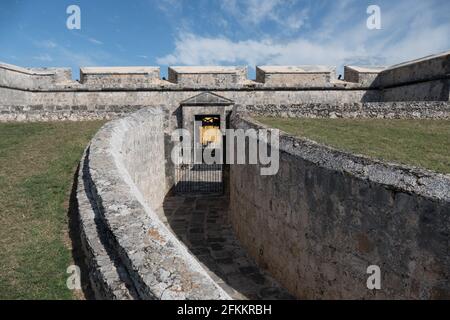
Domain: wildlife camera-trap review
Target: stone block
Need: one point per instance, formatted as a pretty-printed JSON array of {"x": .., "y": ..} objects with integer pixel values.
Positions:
[
  {"x": 295, "y": 76},
  {"x": 204, "y": 76},
  {"x": 365, "y": 76},
  {"x": 424, "y": 69},
  {"x": 119, "y": 76}
]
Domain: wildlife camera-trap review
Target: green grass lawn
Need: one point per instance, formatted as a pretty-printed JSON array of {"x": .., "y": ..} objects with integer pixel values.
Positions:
[
  {"x": 37, "y": 166},
  {"x": 422, "y": 143}
]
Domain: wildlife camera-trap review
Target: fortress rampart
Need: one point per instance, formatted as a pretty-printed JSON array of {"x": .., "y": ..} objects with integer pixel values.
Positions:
[
  {"x": 328, "y": 214},
  {"x": 122, "y": 182},
  {"x": 103, "y": 92},
  {"x": 315, "y": 226}
]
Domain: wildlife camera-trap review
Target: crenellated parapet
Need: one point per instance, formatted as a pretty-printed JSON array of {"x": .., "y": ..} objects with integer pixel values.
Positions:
[
  {"x": 365, "y": 76},
  {"x": 430, "y": 68},
  {"x": 295, "y": 76},
  {"x": 12, "y": 76},
  {"x": 426, "y": 79},
  {"x": 208, "y": 76},
  {"x": 121, "y": 77}
]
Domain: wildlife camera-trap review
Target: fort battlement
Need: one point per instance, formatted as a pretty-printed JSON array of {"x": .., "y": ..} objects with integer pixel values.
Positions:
[
  {"x": 295, "y": 76},
  {"x": 12, "y": 76},
  {"x": 40, "y": 92},
  {"x": 121, "y": 77},
  {"x": 427, "y": 69},
  {"x": 212, "y": 76}
]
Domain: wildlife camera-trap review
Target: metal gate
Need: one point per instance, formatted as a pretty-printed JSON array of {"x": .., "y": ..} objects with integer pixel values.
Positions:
[{"x": 199, "y": 178}]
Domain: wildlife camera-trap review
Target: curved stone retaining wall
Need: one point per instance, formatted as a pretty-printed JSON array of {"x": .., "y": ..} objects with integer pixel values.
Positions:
[
  {"x": 327, "y": 215},
  {"x": 130, "y": 253}
]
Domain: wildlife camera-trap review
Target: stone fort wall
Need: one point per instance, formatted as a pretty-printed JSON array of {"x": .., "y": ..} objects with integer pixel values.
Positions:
[
  {"x": 327, "y": 215},
  {"x": 103, "y": 92},
  {"x": 130, "y": 253}
]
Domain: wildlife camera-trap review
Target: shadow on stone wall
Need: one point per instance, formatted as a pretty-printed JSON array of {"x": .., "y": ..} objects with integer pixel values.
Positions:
[
  {"x": 78, "y": 256},
  {"x": 102, "y": 274}
]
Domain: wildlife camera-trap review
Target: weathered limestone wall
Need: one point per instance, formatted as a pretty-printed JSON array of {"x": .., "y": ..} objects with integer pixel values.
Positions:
[
  {"x": 22, "y": 112},
  {"x": 28, "y": 79},
  {"x": 14, "y": 97},
  {"x": 366, "y": 76},
  {"x": 118, "y": 77},
  {"x": 118, "y": 105},
  {"x": 47, "y": 106},
  {"x": 326, "y": 216},
  {"x": 383, "y": 110},
  {"x": 299, "y": 76},
  {"x": 208, "y": 77},
  {"x": 428, "y": 68},
  {"x": 176, "y": 97},
  {"x": 143, "y": 155},
  {"x": 26, "y": 92},
  {"x": 108, "y": 277},
  {"x": 434, "y": 90},
  {"x": 425, "y": 79},
  {"x": 131, "y": 252}
]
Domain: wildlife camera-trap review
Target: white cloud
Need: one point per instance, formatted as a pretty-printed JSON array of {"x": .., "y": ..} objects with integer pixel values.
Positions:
[
  {"x": 48, "y": 44},
  {"x": 168, "y": 6},
  {"x": 256, "y": 12},
  {"x": 43, "y": 57},
  {"x": 408, "y": 32},
  {"x": 58, "y": 53},
  {"x": 259, "y": 10},
  {"x": 80, "y": 58},
  {"x": 95, "y": 41},
  {"x": 196, "y": 50}
]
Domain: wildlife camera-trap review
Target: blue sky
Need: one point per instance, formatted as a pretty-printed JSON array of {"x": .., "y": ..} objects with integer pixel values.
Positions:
[{"x": 227, "y": 32}]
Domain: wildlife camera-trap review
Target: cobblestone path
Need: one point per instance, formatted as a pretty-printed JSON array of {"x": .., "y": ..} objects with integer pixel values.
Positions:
[{"x": 201, "y": 223}]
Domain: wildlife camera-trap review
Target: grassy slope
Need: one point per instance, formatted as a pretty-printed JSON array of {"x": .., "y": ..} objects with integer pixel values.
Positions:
[
  {"x": 37, "y": 164},
  {"x": 423, "y": 143}
]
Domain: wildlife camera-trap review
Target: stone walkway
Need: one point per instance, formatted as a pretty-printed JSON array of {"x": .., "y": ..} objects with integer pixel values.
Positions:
[{"x": 201, "y": 223}]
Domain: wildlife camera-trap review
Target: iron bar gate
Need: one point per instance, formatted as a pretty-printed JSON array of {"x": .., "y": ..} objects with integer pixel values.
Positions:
[{"x": 199, "y": 178}]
